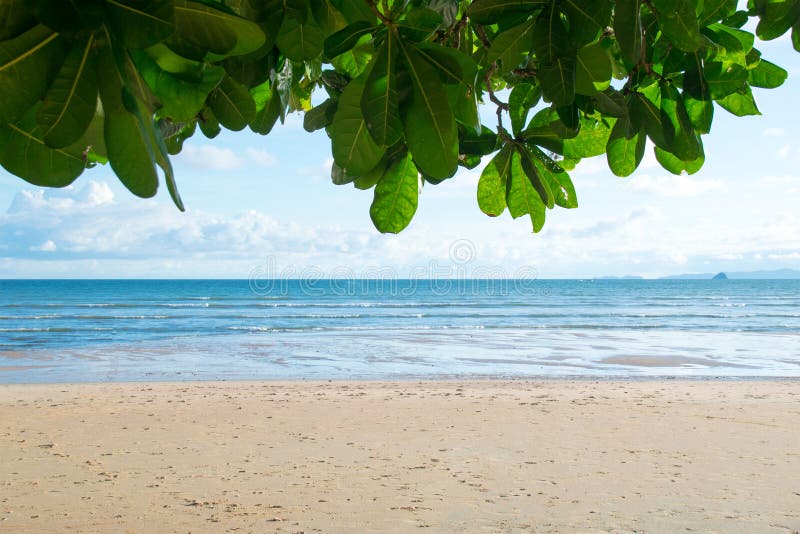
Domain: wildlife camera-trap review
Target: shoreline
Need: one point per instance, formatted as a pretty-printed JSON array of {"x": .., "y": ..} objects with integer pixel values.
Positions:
[
  {"x": 432, "y": 379},
  {"x": 460, "y": 455}
]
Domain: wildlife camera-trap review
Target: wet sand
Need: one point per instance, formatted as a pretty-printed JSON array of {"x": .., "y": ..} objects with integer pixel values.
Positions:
[{"x": 449, "y": 456}]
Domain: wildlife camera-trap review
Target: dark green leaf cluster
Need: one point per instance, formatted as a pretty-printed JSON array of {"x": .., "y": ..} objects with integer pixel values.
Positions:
[{"x": 127, "y": 82}]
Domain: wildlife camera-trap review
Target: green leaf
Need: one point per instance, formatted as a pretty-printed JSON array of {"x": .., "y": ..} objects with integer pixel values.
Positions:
[
  {"x": 522, "y": 198},
  {"x": 586, "y": 19},
  {"x": 591, "y": 139},
  {"x": 464, "y": 105},
  {"x": 796, "y": 36},
  {"x": 296, "y": 9},
  {"x": 625, "y": 148},
  {"x": 300, "y": 42},
  {"x": 767, "y": 75},
  {"x": 329, "y": 19},
  {"x": 723, "y": 80},
  {"x": 346, "y": 38},
  {"x": 380, "y": 102},
  {"x": 776, "y": 18},
  {"x": 268, "y": 108},
  {"x": 208, "y": 123},
  {"x": 127, "y": 144},
  {"x": 685, "y": 144},
  {"x": 354, "y": 10},
  {"x": 68, "y": 18},
  {"x": 593, "y": 70},
  {"x": 478, "y": 145},
  {"x": 16, "y": 16},
  {"x": 610, "y": 102},
  {"x": 732, "y": 45},
  {"x": 547, "y": 130},
  {"x": 220, "y": 33},
  {"x": 539, "y": 182},
  {"x": 645, "y": 114},
  {"x": 628, "y": 30},
  {"x": 697, "y": 96},
  {"x": 27, "y": 65},
  {"x": 396, "y": 197},
  {"x": 558, "y": 81},
  {"x": 160, "y": 153},
  {"x": 430, "y": 128},
  {"x": 339, "y": 176},
  {"x": 740, "y": 103},
  {"x": 509, "y": 47},
  {"x": 232, "y": 104},
  {"x": 24, "y": 153},
  {"x": 458, "y": 72},
  {"x": 454, "y": 66},
  {"x": 368, "y": 180},
  {"x": 678, "y": 166},
  {"x": 714, "y": 10},
  {"x": 678, "y": 22},
  {"x": 183, "y": 94},
  {"x": 320, "y": 115},
  {"x": 550, "y": 38},
  {"x": 559, "y": 181},
  {"x": 174, "y": 139},
  {"x": 355, "y": 61},
  {"x": 522, "y": 98},
  {"x": 71, "y": 101},
  {"x": 492, "y": 183},
  {"x": 489, "y": 11},
  {"x": 419, "y": 24},
  {"x": 354, "y": 149},
  {"x": 139, "y": 24}
]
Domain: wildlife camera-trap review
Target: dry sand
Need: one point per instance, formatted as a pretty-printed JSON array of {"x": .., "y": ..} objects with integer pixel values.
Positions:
[{"x": 518, "y": 456}]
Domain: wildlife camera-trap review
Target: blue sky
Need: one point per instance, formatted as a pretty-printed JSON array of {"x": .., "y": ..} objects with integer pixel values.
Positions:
[{"x": 265, "y": 206}]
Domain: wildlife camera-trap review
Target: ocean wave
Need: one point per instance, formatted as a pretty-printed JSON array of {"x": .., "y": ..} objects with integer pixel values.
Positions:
[{"x": 56, "y": 329}]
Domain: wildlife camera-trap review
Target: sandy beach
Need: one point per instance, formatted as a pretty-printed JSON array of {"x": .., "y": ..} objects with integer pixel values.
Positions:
[{"x": 478, "y": 456}]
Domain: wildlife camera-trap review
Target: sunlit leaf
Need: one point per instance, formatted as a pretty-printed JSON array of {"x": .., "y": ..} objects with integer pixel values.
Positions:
[
  {"x": 522, "y": 198},
  {"x": 678, "y": 21},
  {"x": 625, "y": 148},
  {"x": 354, "y": 149},
  {"x": 380, "y": 102},
  {"x": 430, "y": 128},
  {"x": 492, "y": 183},
  {"x": 396, "y": 197}
]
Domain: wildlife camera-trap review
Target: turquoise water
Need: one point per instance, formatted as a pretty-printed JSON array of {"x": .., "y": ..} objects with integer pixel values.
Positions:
[{"x": 120, "y": 330}]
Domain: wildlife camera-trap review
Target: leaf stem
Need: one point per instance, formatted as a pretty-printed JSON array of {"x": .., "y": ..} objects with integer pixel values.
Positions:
[{"x": 374, "y": 7}]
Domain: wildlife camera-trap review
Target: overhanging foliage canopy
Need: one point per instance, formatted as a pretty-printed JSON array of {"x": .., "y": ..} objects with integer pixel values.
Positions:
[{"x": 127, "y": 82}]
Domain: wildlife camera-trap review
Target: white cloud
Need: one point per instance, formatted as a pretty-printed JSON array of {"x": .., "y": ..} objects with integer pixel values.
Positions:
[
  {"x": 787, "y": 256},
  {"x": 210, "y": 157},
  {"x": 786, "y": 183},
  {"x": 93, "y": 194},
  {"x": 773, "y": 132},
  {"x": 47, "y": 246},
  {"x": 261, "y": 157},
  {"x": 674, "y": 186},
  {"x": 85, "y": 230},
  {"x": 593, "y": 165},
  {"x": 783, "y": 151}
]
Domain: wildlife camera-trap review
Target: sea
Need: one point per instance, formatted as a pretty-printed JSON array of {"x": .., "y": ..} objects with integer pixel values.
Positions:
[{"x": 166, "y": 330}]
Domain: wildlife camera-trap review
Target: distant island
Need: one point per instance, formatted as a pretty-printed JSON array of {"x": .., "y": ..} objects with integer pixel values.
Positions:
[{"x": 777, "y": 274}]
